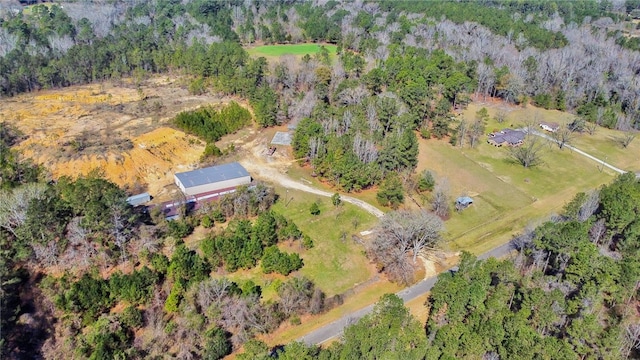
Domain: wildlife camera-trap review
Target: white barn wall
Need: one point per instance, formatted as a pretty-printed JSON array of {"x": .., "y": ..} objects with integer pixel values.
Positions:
[{"x": 212, "y": 186}]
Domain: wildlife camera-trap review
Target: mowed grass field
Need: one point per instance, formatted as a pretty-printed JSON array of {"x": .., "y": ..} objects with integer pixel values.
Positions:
[
  {"x": 335, "y": 263},
  {"x": 275, "y": 51},
  {"x": 507, "y": 197},
  {"x": 602, "y": 144}
]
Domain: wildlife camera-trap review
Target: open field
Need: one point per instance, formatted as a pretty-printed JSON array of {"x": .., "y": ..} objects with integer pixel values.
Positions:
[
  {"x": 271, "y": 52},
  {"x": 507, "y": 197},
  {"x": 335, "y": 263},
  {"x": 119, "y": 129},
  {"x": 602, "y": 144}
]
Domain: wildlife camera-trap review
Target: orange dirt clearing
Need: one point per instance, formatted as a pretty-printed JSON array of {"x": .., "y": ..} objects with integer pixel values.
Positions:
[{"x": 121, "y": 130}]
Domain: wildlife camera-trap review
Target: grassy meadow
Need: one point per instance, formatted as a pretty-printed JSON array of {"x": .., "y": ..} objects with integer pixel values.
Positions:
[
  {"x": 335, "y": 263},
  {"x": 602, "y": 144},
  {"x": 272, "y": 52},
  {"x": 507, "y": 197}
]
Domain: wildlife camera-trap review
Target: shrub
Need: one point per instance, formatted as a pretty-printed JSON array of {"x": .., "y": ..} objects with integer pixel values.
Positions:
[
  {"x": 179, "y": 229},
  {"x": 314, "y": 209},
  {"x": 131, "y": 317},
  {"x": 206, "y": 222},
  {"x": 307, "y": 242}
]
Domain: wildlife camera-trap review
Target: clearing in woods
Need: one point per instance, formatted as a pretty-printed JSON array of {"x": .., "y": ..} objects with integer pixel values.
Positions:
[
  {"x": 121, "y": 130},
  {"x": 507, "y": 197},
  {"x": 603, "y": 144},
  {"x": 275, "y": 51}
]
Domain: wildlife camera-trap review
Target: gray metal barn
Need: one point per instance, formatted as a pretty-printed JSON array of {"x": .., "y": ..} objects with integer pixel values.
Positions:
[{"x": 212, "y": 178}]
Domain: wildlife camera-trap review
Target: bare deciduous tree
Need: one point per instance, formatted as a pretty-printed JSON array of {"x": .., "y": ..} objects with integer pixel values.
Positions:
[
  {"x": 597, "y": 231},
  {"x": 501, "y": 116},
  {"x": 14, "y": 205},
  {"x": 626, "y": 138},
  {"x": 440, "y": 200},
  {"x": 529, "y": 154},
  {"x": 400, "y": 233},
  {"x": 462, "y": 130},
  {"x": 212, "y": 292},
  {"x": 476, "y": 130},
  {"x": 590, "y": 205},
  {"x": 563, "y": 136},
  {"x": 631, "y": 339}
]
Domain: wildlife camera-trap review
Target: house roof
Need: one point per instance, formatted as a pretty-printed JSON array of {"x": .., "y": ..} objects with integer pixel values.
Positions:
[
  {"x": 508, "y": 135},
  {"x": 212, "y": 174},
  {"x": 464, "y": 200}
]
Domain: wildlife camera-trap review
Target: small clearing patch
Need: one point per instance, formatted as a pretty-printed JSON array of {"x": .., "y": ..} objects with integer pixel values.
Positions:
[
  {"x": 272, "y": 52},
  {"x": 290, "y": 49}
]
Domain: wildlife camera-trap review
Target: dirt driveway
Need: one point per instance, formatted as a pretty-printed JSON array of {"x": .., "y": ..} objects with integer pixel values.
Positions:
[{"x": 273, "y": 168}]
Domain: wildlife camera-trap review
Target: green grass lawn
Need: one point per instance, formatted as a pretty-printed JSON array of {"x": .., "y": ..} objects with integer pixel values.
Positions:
[
  {"x": 336, "y": 263},
  {"x": 275, "y": 51},
  {"x": 602, "y": 144},
  {"x": 507, "y": 197},
  {"x": 333, "y": 264}
]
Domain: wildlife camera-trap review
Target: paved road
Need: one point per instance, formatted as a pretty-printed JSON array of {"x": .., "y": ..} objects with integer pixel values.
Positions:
[
  {"x": 545, "y": 136},
  {"x": 335, "y": 328}
]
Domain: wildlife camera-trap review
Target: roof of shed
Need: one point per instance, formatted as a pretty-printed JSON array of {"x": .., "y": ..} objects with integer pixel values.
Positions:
[
  {"x": 212, "y": 174},
  {"x": 464, "y": 200}
]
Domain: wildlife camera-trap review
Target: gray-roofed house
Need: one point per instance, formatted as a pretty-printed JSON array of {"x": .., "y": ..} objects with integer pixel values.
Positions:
[
  {"x": 507, "y": 137},
  {"x": 212, "y": 178}
]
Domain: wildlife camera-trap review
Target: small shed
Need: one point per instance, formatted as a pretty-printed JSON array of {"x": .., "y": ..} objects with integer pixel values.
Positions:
[
  {"x": 282, "y": 138},
  {"x": 139, "y": 199},
  {"x": 463, "y": 202}
]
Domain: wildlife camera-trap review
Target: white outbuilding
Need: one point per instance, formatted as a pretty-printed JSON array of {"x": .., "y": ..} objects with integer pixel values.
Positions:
[{"x": 212, "y": 179}]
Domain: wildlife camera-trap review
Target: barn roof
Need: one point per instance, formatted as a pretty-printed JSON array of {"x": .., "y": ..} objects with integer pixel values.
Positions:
[{"x": 212, "y": 174}]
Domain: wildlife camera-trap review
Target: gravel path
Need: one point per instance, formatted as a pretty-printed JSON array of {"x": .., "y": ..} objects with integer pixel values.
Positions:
[{"x": 275, "y": 176}]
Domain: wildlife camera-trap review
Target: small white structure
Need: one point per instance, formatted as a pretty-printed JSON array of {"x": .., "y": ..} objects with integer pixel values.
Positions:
[
  {"x": 212, "y": 179},
  {"x": 550, "y": 127}
]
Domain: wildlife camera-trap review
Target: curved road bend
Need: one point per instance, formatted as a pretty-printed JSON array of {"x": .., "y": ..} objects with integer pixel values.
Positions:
[{"x": 336, "y": 328}]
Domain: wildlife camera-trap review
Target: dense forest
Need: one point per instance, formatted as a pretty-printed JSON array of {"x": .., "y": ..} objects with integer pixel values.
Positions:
[{"x": 85, "y": 275}]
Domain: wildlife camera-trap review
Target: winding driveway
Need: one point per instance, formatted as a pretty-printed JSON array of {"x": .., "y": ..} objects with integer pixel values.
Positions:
[
  {"x": 275, "y": 176},
  {"x": 336, "y": 328}
]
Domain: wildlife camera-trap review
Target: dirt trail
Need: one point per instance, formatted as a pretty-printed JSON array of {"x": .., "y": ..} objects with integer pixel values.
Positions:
[{"x": 272, "y": 169}]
